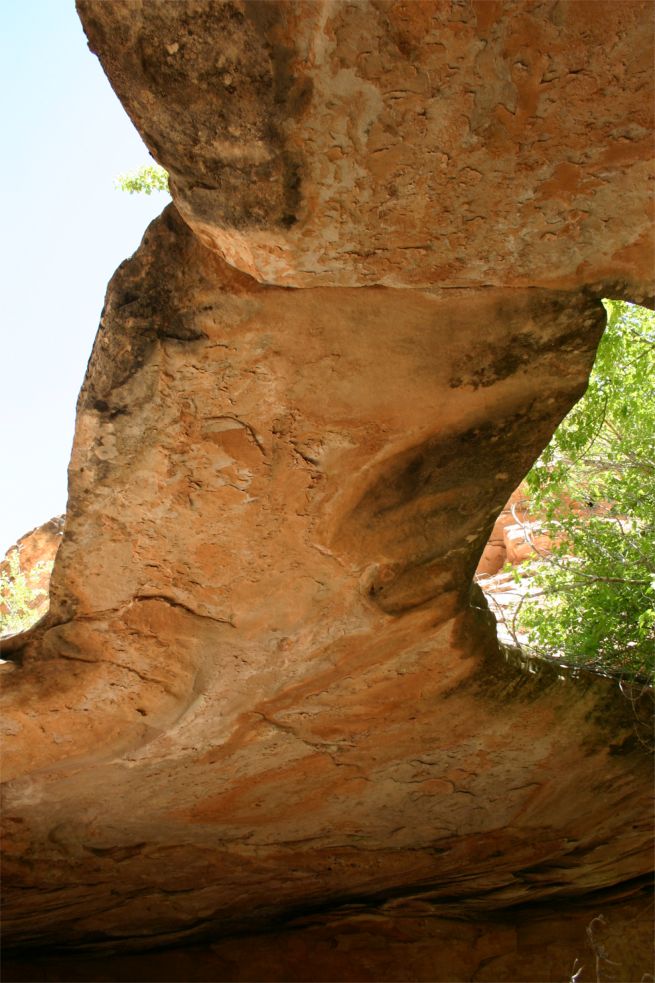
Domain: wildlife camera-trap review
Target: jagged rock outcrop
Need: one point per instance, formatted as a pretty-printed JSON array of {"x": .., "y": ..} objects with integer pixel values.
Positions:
[{"x": 262, "y": 687}]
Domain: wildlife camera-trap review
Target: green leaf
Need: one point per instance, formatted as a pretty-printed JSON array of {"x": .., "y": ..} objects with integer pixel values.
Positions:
[
  {"x": 145, "y": 180},
  {"x": 597, "y": 606}
]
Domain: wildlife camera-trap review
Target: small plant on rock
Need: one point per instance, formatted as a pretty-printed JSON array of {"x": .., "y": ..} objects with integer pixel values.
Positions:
[{"x": 145, "y": 180}]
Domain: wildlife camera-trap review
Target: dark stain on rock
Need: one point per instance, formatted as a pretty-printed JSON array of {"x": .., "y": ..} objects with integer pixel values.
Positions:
[
  {"x": 224, "y": 69},
  {"x": 145, "y": 305},
  {"x": 572, "y": 330}
]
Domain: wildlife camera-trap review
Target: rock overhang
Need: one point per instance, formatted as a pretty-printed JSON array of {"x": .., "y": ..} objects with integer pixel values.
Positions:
[
  {"x": 353, "y": 144},
  {"x": 260, "y": 651}
]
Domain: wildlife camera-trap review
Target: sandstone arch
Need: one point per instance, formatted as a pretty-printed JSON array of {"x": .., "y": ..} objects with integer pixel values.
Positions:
[{"x": 261, "y": 687}]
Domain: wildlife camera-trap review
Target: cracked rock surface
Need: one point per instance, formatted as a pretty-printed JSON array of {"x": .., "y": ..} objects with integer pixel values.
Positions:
[
  {"x": 398, "y": 142},
  {"x": 265, "y": 686}
]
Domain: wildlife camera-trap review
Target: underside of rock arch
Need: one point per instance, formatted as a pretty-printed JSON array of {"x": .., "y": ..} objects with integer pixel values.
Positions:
[{"x": 266, "y": 696}]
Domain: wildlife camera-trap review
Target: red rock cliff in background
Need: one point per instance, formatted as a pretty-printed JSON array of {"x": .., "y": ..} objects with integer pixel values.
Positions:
[{"x": 261, "y": 689}]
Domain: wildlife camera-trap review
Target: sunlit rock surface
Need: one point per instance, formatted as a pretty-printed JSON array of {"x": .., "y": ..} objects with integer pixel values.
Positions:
[
  {"x": 477, "y": 143},
  {"x": 262, "y": 689}
]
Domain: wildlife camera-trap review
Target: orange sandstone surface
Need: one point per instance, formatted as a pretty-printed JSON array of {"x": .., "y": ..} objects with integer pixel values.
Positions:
[{"x": 262, "y": 700}]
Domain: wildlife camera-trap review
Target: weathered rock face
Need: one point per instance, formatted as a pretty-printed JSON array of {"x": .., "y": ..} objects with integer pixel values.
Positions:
[
  {"x": 262, "y": 687},
  {"x": 396, "y": 942},
  {"x": 403, "y": 143}
]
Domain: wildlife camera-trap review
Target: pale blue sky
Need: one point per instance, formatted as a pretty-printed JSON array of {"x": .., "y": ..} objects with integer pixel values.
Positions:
[{"x": 66, "y": 230}]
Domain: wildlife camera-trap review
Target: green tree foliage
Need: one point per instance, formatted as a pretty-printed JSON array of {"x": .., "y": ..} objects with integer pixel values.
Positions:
[
  {"x": 595, "y": 487},
  {"x": 145, "y": 180},
  {"x": 19, "y": 602}
]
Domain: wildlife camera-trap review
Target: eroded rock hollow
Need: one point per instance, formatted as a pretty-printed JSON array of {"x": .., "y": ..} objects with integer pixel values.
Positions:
[{"x": 265, "y": 687}]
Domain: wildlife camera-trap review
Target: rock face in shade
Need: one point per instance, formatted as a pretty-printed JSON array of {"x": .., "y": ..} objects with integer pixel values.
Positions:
[
  {"x": 393, "y": 142},
  {"x": 265, "y": 685},
  {"x": 395, "y": 942}
]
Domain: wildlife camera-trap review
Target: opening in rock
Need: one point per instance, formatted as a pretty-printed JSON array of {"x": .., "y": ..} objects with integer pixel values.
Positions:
[
  {"x": 568, "y": 569},
  {"x": 25, "y": 578}
]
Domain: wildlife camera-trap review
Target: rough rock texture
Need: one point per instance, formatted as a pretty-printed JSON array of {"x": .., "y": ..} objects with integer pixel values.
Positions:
[
  {"x": 476, "y": 143},
  {"x": 398, "y": 942},
  {"x": 262, "y": 688}
]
